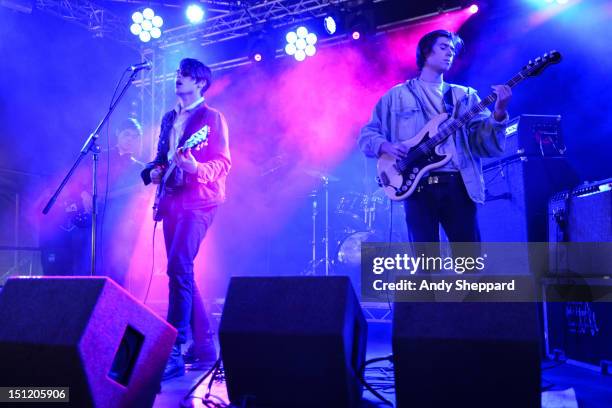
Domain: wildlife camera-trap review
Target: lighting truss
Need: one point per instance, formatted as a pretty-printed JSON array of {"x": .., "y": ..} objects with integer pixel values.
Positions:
[
  {"x": 98, "y": 20},
  {"x": 239, "y": 21}
]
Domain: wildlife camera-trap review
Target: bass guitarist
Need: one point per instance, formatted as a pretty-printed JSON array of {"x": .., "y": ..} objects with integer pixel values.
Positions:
[
  {"x": 193, "y": 191},
  {"x": 446, "y": 195}
]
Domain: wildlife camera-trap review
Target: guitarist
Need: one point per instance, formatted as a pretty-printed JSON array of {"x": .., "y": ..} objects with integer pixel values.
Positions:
[
  {"x": 447, "y": 195},
  {"x": 195, "y": 190}
]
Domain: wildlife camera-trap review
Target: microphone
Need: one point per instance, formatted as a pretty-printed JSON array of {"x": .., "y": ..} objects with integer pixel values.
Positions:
[{"x": 141, "y": 66}]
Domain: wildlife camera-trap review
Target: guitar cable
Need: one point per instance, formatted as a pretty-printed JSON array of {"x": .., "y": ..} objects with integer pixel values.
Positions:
[{"x": 144, "y": 301}]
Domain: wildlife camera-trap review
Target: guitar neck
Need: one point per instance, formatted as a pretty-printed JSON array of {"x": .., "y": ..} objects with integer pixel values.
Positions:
[
  {"x": 450, "y": 128},
  {"x": 168, "y": 172}
]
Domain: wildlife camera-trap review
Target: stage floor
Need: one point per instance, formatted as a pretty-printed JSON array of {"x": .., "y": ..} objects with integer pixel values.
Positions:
[{"x": 568, "y": 386}]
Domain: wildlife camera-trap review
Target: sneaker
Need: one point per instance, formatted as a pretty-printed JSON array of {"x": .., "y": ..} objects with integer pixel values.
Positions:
[
  {"x": 175, "y": 367},
  {"x": 201, "y": 355}
]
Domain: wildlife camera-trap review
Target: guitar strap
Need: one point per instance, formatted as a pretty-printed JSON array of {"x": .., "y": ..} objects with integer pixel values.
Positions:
[{"x": 448, "y": 101}]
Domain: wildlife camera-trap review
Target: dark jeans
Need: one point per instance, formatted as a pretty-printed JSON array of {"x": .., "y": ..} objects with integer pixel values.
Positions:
[
  {"x": 447, "y": 203},
  {"x": 184, "y": 230}
]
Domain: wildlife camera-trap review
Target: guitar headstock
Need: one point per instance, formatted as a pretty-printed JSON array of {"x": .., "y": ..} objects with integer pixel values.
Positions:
[
  {"x": 198, "y": 138},
  {"x": 535, "y": 67}
]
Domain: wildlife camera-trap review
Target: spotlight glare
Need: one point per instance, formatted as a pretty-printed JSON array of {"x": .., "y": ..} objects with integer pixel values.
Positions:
[
  {"x": 155, "y": 32},
  {"x": 148, "y": 13},
  {"x": 137, "y": 17},
  {"x": 562, "y": 1},
  {"x": 135, "y": 29},
  {"x": 257, "y": 57},
  {"x": 356, "y": 35},
  {"x": 302, "y": 32},
  {"x": 290, "y": 49},
  {"x": 195, "y": 14},
  {"x": 310, "y": 50},
  {"x": 144, "y": 36},
  {"x": 311, "y": 38},
  {"x": 147, "y": 25},
  {"x": 300, "y": 44},
  {"x": 330, "y": 24},
  {"x": 157, "y": 21},
  {"x": 300, "y": 55},
  {"x": 291, "y": 37},
  {"x": 473, "y": 9}
]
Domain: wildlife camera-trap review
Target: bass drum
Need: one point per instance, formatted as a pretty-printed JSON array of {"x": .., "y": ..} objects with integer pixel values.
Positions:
[{"x": 348, "y": 255}]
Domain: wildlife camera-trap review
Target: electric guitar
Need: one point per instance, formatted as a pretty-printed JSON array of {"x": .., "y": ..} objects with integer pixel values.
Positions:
[
  {"x": 400, "y": 177},
  {"x": 160, "y": 205}
]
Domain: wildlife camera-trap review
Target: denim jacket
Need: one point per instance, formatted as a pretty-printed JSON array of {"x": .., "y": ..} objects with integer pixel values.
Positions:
[{"x": 397, "y": 117}]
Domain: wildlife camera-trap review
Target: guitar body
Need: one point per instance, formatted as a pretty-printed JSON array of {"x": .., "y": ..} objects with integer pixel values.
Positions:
[
  {"x": 161, "y": 203},
  {"x": 398, "y": 178}
]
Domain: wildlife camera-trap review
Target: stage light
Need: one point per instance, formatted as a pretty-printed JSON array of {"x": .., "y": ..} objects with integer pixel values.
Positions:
[
  {"x": 330, "y": 24},
  {"x": 261, "y": 45},
  {"x": 145, "y": 36},
  {"x": 300, "y": 43},
  {"x": 136, "y": 29},
  {"x": 310, "y": 50},
  {"x": 137, "y": 17},
  {"x": 148, "y": 13},
  {"x": 290, "y": 49},
  {"x": 146, "y": 25},
  {"x": 155, "y": 32},
  {"x": 291, "y": 37},
  {"x": 195, "y": 14},
  {"x": 157, "y": 21},
  {"x": 360, "y": 23},
  {"x": 473, "y": 9}
]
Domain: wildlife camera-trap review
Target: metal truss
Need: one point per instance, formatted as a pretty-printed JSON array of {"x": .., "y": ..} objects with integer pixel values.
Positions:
[
  {"x": 85, "y": 13},
  {"x": 245, "y": 16}
]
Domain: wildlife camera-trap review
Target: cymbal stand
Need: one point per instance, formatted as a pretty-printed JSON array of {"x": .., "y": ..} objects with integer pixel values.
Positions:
[
  {"x": 314, "y": 262},
  {"x": 325, "y": 180}
]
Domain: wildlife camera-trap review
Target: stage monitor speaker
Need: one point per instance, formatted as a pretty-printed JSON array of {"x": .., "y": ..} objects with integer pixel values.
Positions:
[
  {"x": 85, "y": 333},
  {"x": 466, "y": 355},
  {"x": 293, "y": 341}
]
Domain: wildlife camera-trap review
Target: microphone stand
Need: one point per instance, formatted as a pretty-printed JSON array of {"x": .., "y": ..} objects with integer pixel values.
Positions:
[{"x": 91, "y": 146}]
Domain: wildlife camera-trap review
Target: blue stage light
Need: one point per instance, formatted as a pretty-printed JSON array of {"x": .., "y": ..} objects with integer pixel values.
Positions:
[
  {"x": 195, "y": 14},
  {"x": 330, "y": 24}
]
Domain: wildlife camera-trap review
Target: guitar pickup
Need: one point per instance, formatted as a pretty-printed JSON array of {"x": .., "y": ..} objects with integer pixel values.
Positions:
[{"x": 383, "y": 180}]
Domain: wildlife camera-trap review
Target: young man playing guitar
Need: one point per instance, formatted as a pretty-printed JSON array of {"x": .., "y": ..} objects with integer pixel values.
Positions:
[
  {"x": 193, "y": 188},
  {"x": 447, "y": 194}
]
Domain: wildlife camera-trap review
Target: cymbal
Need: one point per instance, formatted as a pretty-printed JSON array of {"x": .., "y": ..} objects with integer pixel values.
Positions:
[{"x": 320, "y": 175}]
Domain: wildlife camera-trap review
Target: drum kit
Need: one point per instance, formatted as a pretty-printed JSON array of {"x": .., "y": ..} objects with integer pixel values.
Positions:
[{"x": 339, "y": 228}]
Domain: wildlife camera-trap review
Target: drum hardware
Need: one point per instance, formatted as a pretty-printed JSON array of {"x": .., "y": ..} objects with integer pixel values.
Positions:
[{"x": 314, "y": 262}]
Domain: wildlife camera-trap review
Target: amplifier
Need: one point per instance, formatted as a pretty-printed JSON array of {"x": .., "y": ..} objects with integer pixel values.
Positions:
[
  {"x": 580, "y": 230},
  {"x": 532, "y": 136}
]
